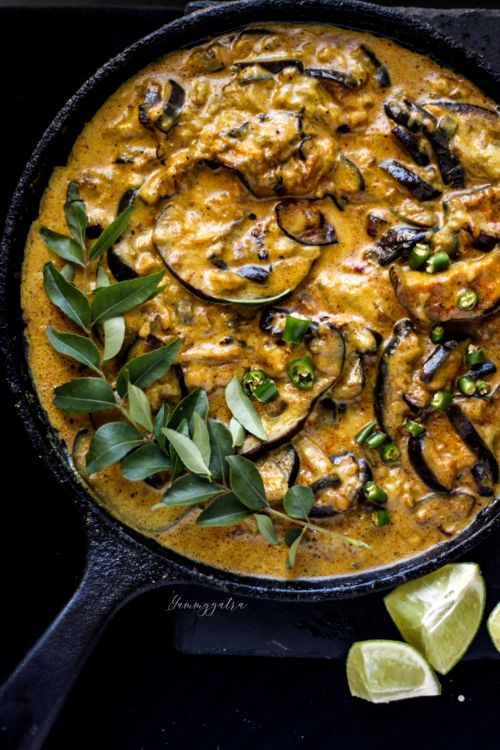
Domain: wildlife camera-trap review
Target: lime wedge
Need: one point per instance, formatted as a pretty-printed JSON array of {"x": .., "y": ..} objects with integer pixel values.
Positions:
[
  {"x": 493, "y": 625},
  {"x": 440, "y": 613},
  {"x": 384, "y": 671}
]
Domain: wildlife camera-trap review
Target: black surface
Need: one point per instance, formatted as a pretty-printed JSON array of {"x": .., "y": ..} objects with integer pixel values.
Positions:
[{"x": 136, "y": 692}]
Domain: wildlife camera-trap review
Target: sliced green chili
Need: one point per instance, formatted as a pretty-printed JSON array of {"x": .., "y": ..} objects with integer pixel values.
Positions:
[
  {"x": 252, "y": 380},
  {"x": 467, "y": 299},
  {"x": 467, "y": 385},
  {"x": 390, "y": 453},
  {"x": 266, "y": 391},
  {"x": 380, "y": 517},
  {"x": 483, "y": 388},
  {"x": 295, "y": 329},
  {"x": 438, "y": 262},
  {"x": 437, "y": 334},
  {"x": 374, "y": 493},
  {"x": 474, "y": 355},
  {"x": 419, "y": 254},
  {"x": 441, "y": 400},
  {"x": 302, "y": 373},
  {"x": 365, "y": 432},
  {"x": 414, "y": 428},
  {"x": 376, "y": 439}
]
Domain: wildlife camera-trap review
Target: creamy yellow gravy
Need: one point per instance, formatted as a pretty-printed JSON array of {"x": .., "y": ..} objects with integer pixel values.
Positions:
[{"x": 205, "y": 208}]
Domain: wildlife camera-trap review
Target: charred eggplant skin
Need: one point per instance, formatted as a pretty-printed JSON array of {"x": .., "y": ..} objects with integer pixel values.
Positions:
[
  {"x": 464, "y": 108},
  {"x": 466, "y": 430},
  {"x": 401, "y": 330},
  {"x": 412, "y": 144},
  {"x": 420, "y": 189},
  {"x": 170, "y": 110},
  {"x": 440, "y": 354},
  {"x": 421, "y": 467},
  {"x": 397, "y": 242},
  {"x": 321, "y": 233},
  {"x": 121, "y": 271},
  {"x": 381, "y": 75},
  {"x": 346, "y": 80}
]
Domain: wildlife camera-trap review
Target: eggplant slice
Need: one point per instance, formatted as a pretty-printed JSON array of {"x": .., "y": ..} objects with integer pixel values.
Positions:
[
  {"x": 443, "y": 364},
  {"x": 446, "y": 512},
  {"x": 279, "y": 469},
  {"x": 432, "y": 298},
  {"x": 308, "y": 222},
  {"x": 162, "y": 105},
  {"x": 346, "y": 80},
  {"x": 296, "y": 404},
  {"x": 413, "y": 144},
  {"x": 486, "y": 470},
  {"x": 419, "y": 188},
  {"x": 394, "y": 377},
  {"x": 397, "y": 242},
  {"x": 224, "y": 246},
  {"x": 381, "y": 74}
]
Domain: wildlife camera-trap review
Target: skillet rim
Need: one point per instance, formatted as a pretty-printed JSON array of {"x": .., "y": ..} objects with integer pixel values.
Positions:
[{"x": 58, "y": 139}]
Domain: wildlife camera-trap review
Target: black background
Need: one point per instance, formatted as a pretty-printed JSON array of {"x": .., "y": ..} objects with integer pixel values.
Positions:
[{"x": 136, "y": 690}]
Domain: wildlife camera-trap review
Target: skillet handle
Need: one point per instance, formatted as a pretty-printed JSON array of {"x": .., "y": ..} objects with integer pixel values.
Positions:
[{"x": 30, "y": 700}]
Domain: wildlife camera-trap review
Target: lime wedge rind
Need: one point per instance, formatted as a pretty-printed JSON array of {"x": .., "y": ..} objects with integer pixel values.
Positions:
[
  {"x": 493, "y": 625},
  {"x": 440, "y": 613},
  {"x": 382, "y": 671}
]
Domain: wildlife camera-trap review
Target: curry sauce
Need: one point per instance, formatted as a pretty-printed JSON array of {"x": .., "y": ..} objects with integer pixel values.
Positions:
[{"x": 327, "y": 175}]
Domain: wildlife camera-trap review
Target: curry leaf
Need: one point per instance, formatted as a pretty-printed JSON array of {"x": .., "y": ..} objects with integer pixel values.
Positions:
[
  {"x": 77, "y": 347},
  {"x": 84, "y": 395},
  {"x": 114, "y": 336},
  {"x": 102, "y": 278},
  {"x": 201, "y": 437},
  {"x": 144, "y": 462},
  {"x": 146, "y": 369},
  {"x": 161, "y": 421},
  {"x": 246, "y": 482},
  {"x": 66, "y": 296},
  {"x": 224, "y": 511},
  {"x": 182, "y": 429},
  {"x": 237, "y": 431},
  {"x": 293, "y": 538},
  {"x": 266, "y": 528},
  {"x": 111, "y": 234},
  {"x": 298, "y": 501},
  {"x": 243, "y": 410},
  {"x": 63, "y": 246},
  {"x": 190, "y": 490},
  {"x": 68, "y": 271},
  {"x": 139, "y": 408},
  {"x": 75, "y": 213},
  {"x": 110, "y": 444},
  {"x": 221, "y": 445},
  {"x": 187, "y": 451},
  {"x": 119, "y": 298},
  {"x": 196, "y": 401}
]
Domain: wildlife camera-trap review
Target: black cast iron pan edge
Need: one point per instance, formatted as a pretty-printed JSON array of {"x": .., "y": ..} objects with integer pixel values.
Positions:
[{"x": 120, "y": 564}]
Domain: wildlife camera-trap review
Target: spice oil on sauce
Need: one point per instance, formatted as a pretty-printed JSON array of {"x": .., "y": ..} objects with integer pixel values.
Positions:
[{"x": 273, "y": 165}]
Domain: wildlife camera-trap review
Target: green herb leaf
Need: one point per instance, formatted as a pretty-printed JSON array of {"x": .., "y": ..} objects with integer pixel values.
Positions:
[
  {"x": 201, "y": 437},
  {"x": 146, "y": 369},
  {"x": 110, "y": 444},
  {"x": 121, "y": 297},
  {"x": 183, "y": 429},
  {"x": 188, "y": 452},
  {"x": 102, "y": 278},
  {"x": 111, "y": 234},
  {"x": 84, "y": 395},
  {"x": 196, "y": 401},
  {"x": 75, "y": 213},
  {"x": 190, "y": 490},
  {"x": 294, "y": 546},
  {"x": 224, "y": 511},
  {"x": 238, "y": 432},
  {"x": 139, "y": 408},
  {"x": 298, "y": 501},
  {"x": 114, "y": 336},
  {"x": 68, "y": 271},
  {"x": 66, "y": 296},
  {"x": 63, "y": 246},
  {"x": 77, "y": 347},
  {"x": 246, "y": 482},
  {"x": 291, "y": 535},
  {"x": 243, "y": 410},
  {"x": 161, "y": 421},
  {"x": 221, "y": 446},
  {"x": 255, "y": 302},
  {"x": 144, "y": 462},
  {"x": 266, "y": 528}
]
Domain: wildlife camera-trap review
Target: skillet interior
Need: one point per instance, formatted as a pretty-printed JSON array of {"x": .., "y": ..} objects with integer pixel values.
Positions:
[{"x": 53, "y": 149}]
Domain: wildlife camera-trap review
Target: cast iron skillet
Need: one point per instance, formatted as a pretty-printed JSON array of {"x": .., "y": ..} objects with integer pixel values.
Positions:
[{"x": 120, "y": 563}]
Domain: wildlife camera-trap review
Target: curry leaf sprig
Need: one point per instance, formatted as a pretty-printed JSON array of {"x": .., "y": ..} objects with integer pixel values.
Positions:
[{"x": 195, "y": 452}]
